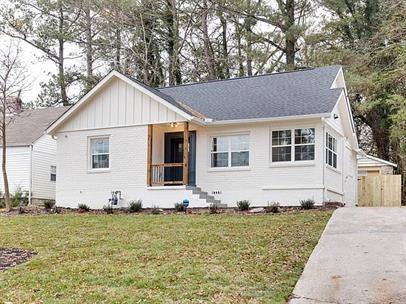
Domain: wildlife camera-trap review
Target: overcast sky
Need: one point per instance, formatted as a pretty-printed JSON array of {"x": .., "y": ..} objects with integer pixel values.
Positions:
[{"x": 38, "y": 68}]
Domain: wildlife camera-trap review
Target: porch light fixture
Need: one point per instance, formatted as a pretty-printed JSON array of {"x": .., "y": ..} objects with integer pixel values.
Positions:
[
  {"x": 335, "y": 116},
  {"x": 174, "y": 124}
]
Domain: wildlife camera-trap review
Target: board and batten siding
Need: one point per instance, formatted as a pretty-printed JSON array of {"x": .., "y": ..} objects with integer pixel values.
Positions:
[
  {"x": 119, "y": 104},
  {"x": 43, "y": 156},
  {"x": 18, "y": 169}
]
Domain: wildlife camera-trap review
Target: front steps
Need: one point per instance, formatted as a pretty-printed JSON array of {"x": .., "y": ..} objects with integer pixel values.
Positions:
[{"x": 205, "y": 196}]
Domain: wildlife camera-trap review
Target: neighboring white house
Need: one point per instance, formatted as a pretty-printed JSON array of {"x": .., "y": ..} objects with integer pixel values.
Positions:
[
  {"x": 31, "y": 154},
  {"x": 279, "y": 137}
]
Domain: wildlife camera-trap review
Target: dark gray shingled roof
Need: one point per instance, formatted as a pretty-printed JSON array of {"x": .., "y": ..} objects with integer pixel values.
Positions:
[
  {"x": 30, "y": 125},
  {"x": 302, "y": 92}
]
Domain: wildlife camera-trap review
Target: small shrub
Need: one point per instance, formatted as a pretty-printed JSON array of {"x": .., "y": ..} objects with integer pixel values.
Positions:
[
  {"x": 213, "y": 208},
  {"x": 243, "y": 205},
  {"x": 307, "y": 203},
  {"x": 108, "y": 209},
  {"x": 19, "y": 198},
  {"x": 49, "y": 204},
  {"x": 84, "y": 207},
  {"x": 156, "y": 210},
  {"x": 272, "y": 208},
  {"x": 135, "y": 206},
  {"x": 179, "y": 207}
]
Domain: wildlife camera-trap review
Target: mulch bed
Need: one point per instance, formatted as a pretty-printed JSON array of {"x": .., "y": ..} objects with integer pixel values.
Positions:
[{"x": 11, "y": 257}]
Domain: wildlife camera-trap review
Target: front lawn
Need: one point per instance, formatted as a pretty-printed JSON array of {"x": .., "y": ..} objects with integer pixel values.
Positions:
[{"x": 158, "y": 259}]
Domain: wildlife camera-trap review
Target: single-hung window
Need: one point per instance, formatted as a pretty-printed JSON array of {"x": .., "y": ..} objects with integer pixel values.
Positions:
[
  {"x": 100, "y": 153},
  {"x": 331, "y": 150},
  {"x": 281, "y": 145},
  {"x": 52, "y": 174},
  {"x": 304, "y": 144},
  {"x": 230, "y": 151},
  {"x": 285, "y": 148}
]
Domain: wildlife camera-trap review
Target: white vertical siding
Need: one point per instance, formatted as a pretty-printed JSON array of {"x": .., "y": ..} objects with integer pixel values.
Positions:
[
  {"x": 18, "y": 166},
  {"x": 119, "y": 104},
  {"x": 43, "y": 157}
]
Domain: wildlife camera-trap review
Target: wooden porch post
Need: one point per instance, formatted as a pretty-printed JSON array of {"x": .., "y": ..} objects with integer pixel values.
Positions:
[
  {"x": 149, "y": 156},
  {"x": 186, "y": 153}
]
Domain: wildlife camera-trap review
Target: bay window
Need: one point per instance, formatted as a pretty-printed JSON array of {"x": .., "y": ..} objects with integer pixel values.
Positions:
[
  {"x": 229, "y": 151},
  {"x": 285, "y": 148}
]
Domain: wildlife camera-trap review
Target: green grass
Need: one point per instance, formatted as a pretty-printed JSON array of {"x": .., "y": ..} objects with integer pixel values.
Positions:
[{"x": 158, "y": 259}]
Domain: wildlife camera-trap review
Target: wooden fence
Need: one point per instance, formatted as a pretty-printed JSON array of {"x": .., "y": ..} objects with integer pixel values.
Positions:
[{"x": 379, "y": 191}]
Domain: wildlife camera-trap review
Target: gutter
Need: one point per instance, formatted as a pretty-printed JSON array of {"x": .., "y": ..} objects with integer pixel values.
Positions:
[{"x": 209, "y": 122}]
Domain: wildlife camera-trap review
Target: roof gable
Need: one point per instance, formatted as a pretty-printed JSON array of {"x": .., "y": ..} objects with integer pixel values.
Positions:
[{"x": 118, "y": 100}]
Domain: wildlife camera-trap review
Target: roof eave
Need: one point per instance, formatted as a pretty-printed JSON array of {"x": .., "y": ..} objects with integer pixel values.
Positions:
[{"x": 265, "y": 119}]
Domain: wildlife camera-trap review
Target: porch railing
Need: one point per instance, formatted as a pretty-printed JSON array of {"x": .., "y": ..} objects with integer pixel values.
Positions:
[{"x": 166, "y": 174}]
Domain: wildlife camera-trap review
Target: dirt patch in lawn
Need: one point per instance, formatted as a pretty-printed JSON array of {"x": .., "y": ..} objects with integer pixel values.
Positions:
[{"x": 11, "y": 257}]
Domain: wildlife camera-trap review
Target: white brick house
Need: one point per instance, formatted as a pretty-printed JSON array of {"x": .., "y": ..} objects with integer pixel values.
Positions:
[{"x": 278, "y": 137}]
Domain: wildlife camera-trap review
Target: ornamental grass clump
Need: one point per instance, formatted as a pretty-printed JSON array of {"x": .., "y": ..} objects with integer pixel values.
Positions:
[
  {"x": 179, "y": 207},
  {"x": 243, "y": 205},
  {"x": 272, "y": 208},
  {"x": 83, "y": 208},
  {"x": 307, "y": 204},
  {"x": 108, "y": 209},
  {"x": 49, "y": 204},
  {"x": 135, "y": 206}
]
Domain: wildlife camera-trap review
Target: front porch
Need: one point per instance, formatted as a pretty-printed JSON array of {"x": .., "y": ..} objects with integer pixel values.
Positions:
[{"x": 171, "y": 154}]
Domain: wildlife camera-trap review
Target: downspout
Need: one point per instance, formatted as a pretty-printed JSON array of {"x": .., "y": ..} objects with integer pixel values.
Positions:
[
  {"x": 344, "y": 139},
  {"x": 324, "y": 158},
  {"x": 30, "y": 178}
]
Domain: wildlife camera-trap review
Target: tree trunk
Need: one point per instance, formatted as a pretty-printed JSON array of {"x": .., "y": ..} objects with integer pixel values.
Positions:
[
  {"x": 117, "y": 63},
  {"x": 208, "y": 50},
  {"x": 248, "y": 28},
  {"x": 61, "y": 58},
  {"x": 174, "y": 72},
  {"x": 7, "y": 199},
  {"x": 89, "y": 48},
  {"x": 225, "y": 69},
  {"x": 290, "y": 40},
  {"x": 382, "y": 141},
  {"x": 239, "y": 51}
]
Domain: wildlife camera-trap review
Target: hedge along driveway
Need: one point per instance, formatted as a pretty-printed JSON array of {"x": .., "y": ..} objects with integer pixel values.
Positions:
[{"x": 158, "y": 259}]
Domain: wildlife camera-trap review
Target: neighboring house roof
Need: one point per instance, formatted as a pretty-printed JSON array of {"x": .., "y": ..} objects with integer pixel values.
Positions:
[
  {"x": 30, "y": 125},
  {"x": 372, "y": 161},
  {"x": 302, "y": 92}
]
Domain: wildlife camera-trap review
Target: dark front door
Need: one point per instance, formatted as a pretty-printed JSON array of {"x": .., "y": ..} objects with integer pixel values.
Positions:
[{"x": 174, "y": 154}]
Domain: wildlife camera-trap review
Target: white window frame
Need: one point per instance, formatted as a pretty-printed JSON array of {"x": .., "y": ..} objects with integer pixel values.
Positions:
[
  {"x": 90, "y": 154},
  {"x": 229, "y": 151},
  {"x": 52, "y": 171},
  {"x": 328, "y": 149},
  {"x": 292, "y": 146}
]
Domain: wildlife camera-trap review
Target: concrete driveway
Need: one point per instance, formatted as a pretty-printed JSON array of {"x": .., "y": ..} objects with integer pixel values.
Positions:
[{"x": 360, "y": 258}]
